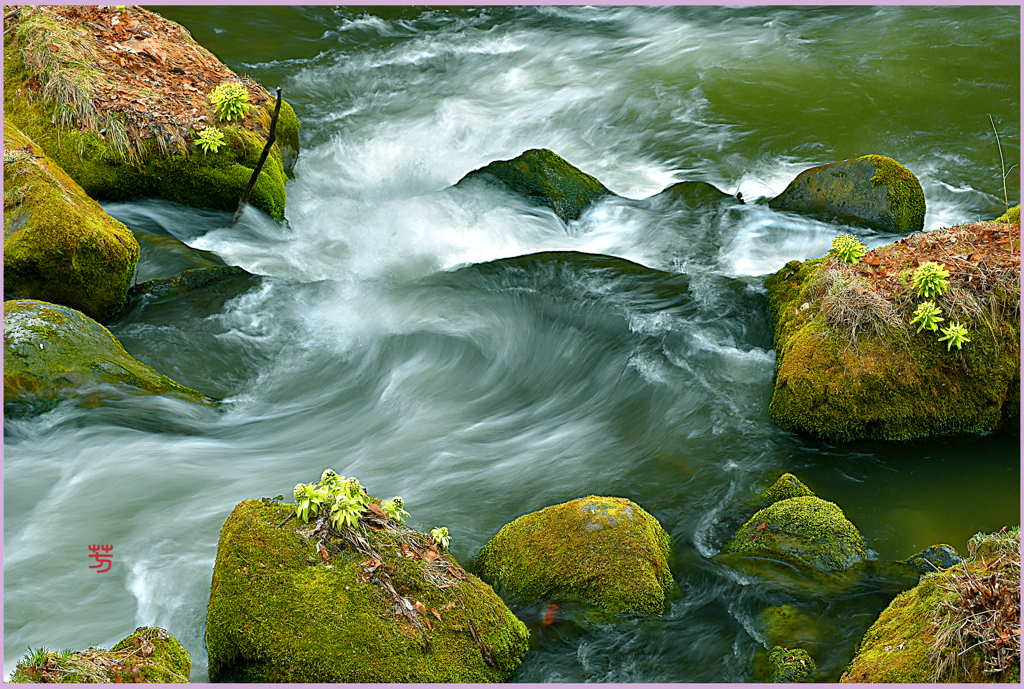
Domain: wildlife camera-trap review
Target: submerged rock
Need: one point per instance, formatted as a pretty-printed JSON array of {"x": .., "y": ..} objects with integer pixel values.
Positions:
[
  {"x": 284, "y": 609},
  {"x": 602, "y": 550},
  {"x": 934, "y": 558},
  {"x": 162, "y": 256},
  {"x": 59, "y": 244},
  {"x": 545, "y": 178},
  {"x": 53, "y": 352},
  {"x": 128, "y": 122},
  {"x": 149, "y": 654},
  {"x": 691, "y": 194},
  {"x": 871, "y": 190},
  {"x": 791, "y": 665}
]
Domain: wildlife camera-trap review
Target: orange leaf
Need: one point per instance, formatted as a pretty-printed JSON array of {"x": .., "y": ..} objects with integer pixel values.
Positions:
[
  {"x": 419, "y": 606},
  {"x": 436, "y": 614},
  {"x": 761, "y": 525}
]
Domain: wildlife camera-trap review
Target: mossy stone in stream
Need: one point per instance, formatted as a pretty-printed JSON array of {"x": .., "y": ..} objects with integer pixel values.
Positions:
[
  {"x": 59, "y": 244},
  {"x": 279, "y": 612},
  {"x": 1011, "y": 216},
  {"x": 787, "y": 486},
  {"x": 934, "y": 558},
  {"x": 54, "y": 352},
  {"x": 872, "y": 190},
  {"x": 603, "y": 550},
  {"x": 546, "y": 178},
  {"x": 791, "y": 665},
  {"x": 162, "y": 256}
]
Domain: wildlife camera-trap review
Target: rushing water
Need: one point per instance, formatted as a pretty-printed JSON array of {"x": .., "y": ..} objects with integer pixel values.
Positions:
[{"x": 385, "y": 344}]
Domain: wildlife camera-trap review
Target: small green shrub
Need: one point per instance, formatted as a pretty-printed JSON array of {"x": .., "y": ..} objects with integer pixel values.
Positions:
[
  {"x": 440, "y": 536},
  {"x": 210, "y": 139},
  {"x": 847, "y": 248},
  {"x": 394, "y": 509},
  {"x": 230, "y": 101},
  {"x": 955, "y": 334},
  {"x": 930, "y": 279},
  {"x": 927, "y": 314}
]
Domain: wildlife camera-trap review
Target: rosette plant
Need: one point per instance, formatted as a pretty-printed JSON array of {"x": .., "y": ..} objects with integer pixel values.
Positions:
[
  {"x": 847, "y": 248},
  {"x": 955, "y": 334},
  {"x": 930, "y": 279},
  {"x": 210, "y": 139},
  {"x": 440, "y": 536},
  {"x": 927, "y": 314},
  {"x": 230, "y": 101}
]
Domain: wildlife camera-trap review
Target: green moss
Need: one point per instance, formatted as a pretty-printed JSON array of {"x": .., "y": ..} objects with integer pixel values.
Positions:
[
  {"x": 53, "y": 352},
  {"x": 544, "y": 176},
  {"x": 903, "y": 191},
  {"x": 59, "y": 244},
  {"x": 805, "y": 531},
  {"x": 1012, "y": 216},
  {"x": 168, "y": 661},
  {"x": 278, "y": 613},
  {"x": 890, "y": 389},
  {"x": 606, "y": 551},
  {"x": 791, "y": 665},
  {"x": 787, "y": 486},
  {"x": 204, "y": 180}
]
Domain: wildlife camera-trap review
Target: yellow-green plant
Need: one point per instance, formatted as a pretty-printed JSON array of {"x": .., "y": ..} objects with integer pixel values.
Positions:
[
  {"x": 394, "y": 508},
  {"x": 955, "y": 334},
  {"x": 230, "y": 101},
  {"x": 440, "y": 536},
  {"x": 848, "y": 248},
  {"x": 930, "y": 279},
  {"x": 927, "y": 314},
  {"x": 344, "y": 500},
  {"x": 210, "y": 139}
]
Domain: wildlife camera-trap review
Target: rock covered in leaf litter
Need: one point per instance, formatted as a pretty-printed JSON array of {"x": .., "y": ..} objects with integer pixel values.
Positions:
[
  {"x": 377, "y": 603},
  {"x": 59, "y": 244},
  {"x": 602, "y": 550},
  {"x": 129, "y": 93},
  {"x": 149, "y": 654},
  {"x": 872, "y": 190},
  {"x": 54, "y": 352}
]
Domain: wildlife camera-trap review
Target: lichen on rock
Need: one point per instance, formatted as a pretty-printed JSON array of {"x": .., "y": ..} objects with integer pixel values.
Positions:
[
  {"x": 59, "y": 244},
  {"x": 872, "y": 190},
  {"x": 54, "y": 352},
  {"x": 606, "y": 551}
]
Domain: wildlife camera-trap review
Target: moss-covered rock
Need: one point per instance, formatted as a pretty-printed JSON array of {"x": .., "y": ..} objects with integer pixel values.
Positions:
[
  {"x": 871, "y": 190},
  {"x": 1011, "y": 216},
  {"x": 784, "y": 625},
  {"x": 605, "y": 551},
  {"x": 934, "y": 558},
  {"x": 161, "y": 256},
  {"x": 283, "y": 611},
  {"x": 791, "y": 665},
  {"x": 53, "y": 352},
  {"x": 901, "y": 383},
  {"x": 545, "y": 178},
  {"x": 189, "y": 281},
  {"x": 904, "y": 642},
  {"x": 120, "y": 137},
  {"x": 787, "y": 486},
  {"x": 805, "y": 531},
  {"x": 149, "y": 654},
  {"x": 59, "y": 244},
  {"x": 692, "y": 194}
]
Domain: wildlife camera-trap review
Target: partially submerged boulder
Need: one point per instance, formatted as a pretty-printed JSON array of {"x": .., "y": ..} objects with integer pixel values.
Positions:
[
  {"x": 149, "y": 654},
  {"x": 849, "y": 365},
  {"x": 119, "y": 98},
  {"x": 161, "y": 256},
  {"x": 1011, "y": 216},
  {"x": 791, "y": 665},
  {"x": 958, "y": 625},
  {"x": 602, "y": 550},
  {"x": 292, "y": 602},
  {"x": 934, "y": 558},
  {"x": 59, "y": 244},
  {"x": 545, "y": 178},
  {"x": 691, "y": 194},
  {"x": 871, "y": 190},
  {"x": 787, "y": 486},
  {"x": 54, "y": 352}
]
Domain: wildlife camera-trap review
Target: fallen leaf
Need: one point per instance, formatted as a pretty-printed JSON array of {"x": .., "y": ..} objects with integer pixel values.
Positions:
[
  {"x": 761, "y": 525},
  {"x": 871, "y": 261},
  {"x": 550, "y": 614},
  {"x": 53, "y": 48},
  {"x": 436, "y": 614},
  {"x": 419, "y": 606}
]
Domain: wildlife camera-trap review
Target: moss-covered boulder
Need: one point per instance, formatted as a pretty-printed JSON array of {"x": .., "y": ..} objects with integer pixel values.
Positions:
[
  {"x": 785, "y": 487},
  {"x": 545, "y": 178},
  {"x": 161, "y": 256},
  {"x": 804, "y": 531},
  {"x": 118, "y": 100},
  {"x": 791, "y": 665},
  {"x": 149, "y": 654},
  {"x": 871, "y": 190},
  {"x": 59, "y": 244},
  {"x": 957, "y": 625},
  {"x": 850, "y": 365},
  {"x": 288, "y": 604},
  {"x": 934, "y": 558},
  {"x": 54, "y": 352},
  {"x": 1011, "y": 216},
  {"x": 690, "y": 194},
  {"x": 605, "y": 551}
]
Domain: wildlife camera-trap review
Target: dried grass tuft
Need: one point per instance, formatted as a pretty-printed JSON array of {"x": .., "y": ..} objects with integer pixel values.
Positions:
[{"x": 851, "y": 306}]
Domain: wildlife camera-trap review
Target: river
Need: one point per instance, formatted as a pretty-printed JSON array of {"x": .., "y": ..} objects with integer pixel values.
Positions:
[{"x": 385, "y": 345}]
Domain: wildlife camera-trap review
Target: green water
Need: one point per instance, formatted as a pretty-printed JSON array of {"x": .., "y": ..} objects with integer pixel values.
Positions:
[{"x": 379, "y": 343}]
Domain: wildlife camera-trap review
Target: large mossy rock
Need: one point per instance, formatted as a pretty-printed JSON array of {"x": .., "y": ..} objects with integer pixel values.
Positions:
[
  {"x": 902, "y": 383},
  {"x": 59, "y": 244},
  {"x": 545, "y": 178},
  {"x": 904, "y": 642},
  {"x": 804, "y": 531},
  {"x": 605, "y": 551},
  {"x": 54, "y": 352},
  {"x": 871, "y": 190},
  {"x": 279, "y": 613},
  {"x": 123, "y": 124},
  {"x": 148, "y": 655}
]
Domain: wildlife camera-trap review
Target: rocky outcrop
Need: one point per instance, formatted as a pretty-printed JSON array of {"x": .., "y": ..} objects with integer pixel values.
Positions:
[
  {"x": 292, "y": 602},
  {"x": 149, "y": 655},
  {"x": 129, "y": 93},
  {"x": 871, "y": 190},
  {"x": 59, "y": 244},
  {"x": 605, "y": 551},
  {"x": 546, "y": 179},
  {"x": 54, "y": 352}
]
